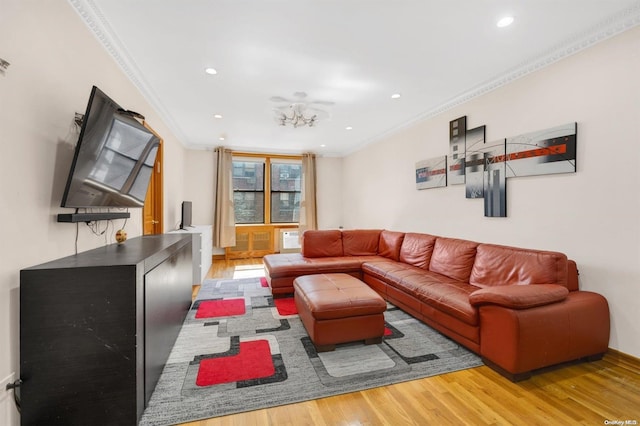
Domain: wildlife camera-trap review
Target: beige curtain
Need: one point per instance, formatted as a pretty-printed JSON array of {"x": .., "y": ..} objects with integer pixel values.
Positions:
[
  {"x": 308, "y": 219},
  {"x": 224, "y": 228}
]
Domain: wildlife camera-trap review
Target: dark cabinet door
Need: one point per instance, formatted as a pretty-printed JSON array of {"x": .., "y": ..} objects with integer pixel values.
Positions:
[
  {"x": 167, "y": 290},
  {"x": 78, "y": 346}
]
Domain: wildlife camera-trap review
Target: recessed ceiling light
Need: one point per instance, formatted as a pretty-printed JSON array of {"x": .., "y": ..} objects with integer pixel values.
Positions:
[
  {"x": 221, "y": 138},
  {"x": 395, "y": 96},
  {"x": 211, "y": 71},
  {"x": 505, "y": 21},
  {"x": 322, "y": 146},
  {"x": 217, "y": 116},
  {"x": 349, "y": 128}
]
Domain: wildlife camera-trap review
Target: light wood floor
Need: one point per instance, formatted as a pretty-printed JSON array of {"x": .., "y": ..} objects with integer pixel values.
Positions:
[{"x": 586, "y": 394}]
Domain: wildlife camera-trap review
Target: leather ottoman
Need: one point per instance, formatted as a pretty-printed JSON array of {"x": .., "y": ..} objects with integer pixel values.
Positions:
[{"x": 338, "y": 308}]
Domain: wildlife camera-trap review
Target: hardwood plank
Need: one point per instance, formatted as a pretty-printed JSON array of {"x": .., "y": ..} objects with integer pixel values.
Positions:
[{"x": 585, "y": 393}]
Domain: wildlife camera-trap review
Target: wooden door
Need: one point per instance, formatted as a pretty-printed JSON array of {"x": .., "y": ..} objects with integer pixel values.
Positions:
[{"x": 153, "y": 204}]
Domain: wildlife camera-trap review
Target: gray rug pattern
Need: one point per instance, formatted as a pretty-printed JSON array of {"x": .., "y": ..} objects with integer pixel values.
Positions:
[{"x": 411, "y": 350}]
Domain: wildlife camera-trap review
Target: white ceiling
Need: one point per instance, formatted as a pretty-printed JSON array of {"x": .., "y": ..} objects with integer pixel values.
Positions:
[{"x": 355, "y": 53}]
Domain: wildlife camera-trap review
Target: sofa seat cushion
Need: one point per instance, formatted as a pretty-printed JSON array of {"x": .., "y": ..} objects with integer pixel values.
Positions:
[
  {"x": 390, "y": 271},
  {"x": 448, "y": 296},
  {"x": 441, "y": 292},
  {"x": 294, "y": 264}
]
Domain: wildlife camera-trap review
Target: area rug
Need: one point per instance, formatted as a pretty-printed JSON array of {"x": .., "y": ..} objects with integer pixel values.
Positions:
[{"x": 238, "y": 350}]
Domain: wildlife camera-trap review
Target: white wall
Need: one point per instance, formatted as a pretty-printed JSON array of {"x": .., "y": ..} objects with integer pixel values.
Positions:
[
  {"x": 592, "y": 215},
  {"x": 54, "y": 62},
  {"x": 198, "y": 185},
  {"x": 328, "y": 192}
]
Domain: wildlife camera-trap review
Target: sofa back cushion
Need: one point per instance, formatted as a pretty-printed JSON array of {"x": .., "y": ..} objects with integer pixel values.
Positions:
[
  {"x": 360, "y": 242},
  {"x": 572, "y": 275},
  {"x": 390, "y": 243},
  {"x": 502, "y": 265},
  {"x": 417, "y": 249},
  {"x": 325, "y": 243},
  {"x": 453, "y": 258}
]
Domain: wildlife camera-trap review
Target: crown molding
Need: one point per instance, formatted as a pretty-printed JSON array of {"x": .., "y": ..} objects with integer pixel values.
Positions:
[
  {"x": 94, "y": 19},
  {"x": 606, "y": 29},
  {"x": 609, "y": 27}
]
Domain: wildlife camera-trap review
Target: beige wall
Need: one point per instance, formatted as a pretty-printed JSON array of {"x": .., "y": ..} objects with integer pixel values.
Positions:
[
  {"x": 592, "y": 216},
  {"x": 329, "y": 192},
  {"x": 198, "y": 185},
  {"x": 54, "y": 62}
]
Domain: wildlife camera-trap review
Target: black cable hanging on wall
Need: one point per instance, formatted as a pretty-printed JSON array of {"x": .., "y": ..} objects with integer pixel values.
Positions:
[{"x": 14, "y": 386}]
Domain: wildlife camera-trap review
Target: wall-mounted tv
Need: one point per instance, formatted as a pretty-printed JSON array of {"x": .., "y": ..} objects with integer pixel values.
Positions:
[{"x": 113, "y": 159}]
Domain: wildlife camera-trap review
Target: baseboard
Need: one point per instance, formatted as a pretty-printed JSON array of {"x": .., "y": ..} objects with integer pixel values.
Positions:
[
  {"x": 623, "y": 359},
  {"x": 218, "y": 257}
]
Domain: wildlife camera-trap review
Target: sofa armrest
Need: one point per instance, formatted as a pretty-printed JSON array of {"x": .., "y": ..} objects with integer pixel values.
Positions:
[
  {"x": 519, "y": 296},
  {"x": 522, "y": 340}
]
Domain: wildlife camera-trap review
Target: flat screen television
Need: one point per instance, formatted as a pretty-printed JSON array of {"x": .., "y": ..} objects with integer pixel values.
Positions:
[
  {"x": 113, "y": 159},
  {"x": 186, "y": 215}
]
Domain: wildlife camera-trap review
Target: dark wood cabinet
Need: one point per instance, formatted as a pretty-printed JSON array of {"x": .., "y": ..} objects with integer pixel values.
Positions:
[{"x": 96, "y": 329}]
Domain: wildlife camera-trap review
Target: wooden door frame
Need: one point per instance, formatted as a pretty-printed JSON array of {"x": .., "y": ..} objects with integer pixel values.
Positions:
[{"x": 158, "y": 188}]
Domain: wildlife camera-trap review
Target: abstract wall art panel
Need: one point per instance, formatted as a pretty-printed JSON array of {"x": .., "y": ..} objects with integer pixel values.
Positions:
[
  {"x": 431, "y": 173},
  {"x": 457, "y": 149},
  {"x": 474, "y": 162},
  {"x": 495, "y": 179},
  {"x": 543, "y": 152}
]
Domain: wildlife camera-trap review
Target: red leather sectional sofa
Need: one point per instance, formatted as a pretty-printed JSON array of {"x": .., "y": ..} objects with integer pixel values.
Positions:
[{"x": 519, "y": 309}]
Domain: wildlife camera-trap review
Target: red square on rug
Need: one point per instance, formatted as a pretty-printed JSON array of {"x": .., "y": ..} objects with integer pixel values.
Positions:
[
  {"x": 285, "y": 306},
  {"x": 263, "y": 282},
  {"x": 220, "y": 308},
  {"x": 252, "y": 362}
]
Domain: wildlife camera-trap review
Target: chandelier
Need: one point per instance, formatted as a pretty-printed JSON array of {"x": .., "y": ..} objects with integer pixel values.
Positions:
[
  {"x": 296, "y": 116},
  {"x": 299, "y": 112}
]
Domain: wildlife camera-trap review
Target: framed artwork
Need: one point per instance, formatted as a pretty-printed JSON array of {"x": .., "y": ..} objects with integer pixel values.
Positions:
[
  {"x": 474, "y": 163},
  {"x": 431, "y": 173},
  {"x": 495, "y": 179},
  {"x": 543, "y": 152},
  {"x": 457, "y": 149}
]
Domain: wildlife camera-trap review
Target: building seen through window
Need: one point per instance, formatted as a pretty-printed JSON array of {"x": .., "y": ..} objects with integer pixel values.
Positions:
[
  {"x": 281, "y": 188},
  {"x": 248, "y": 191},
  {"x": 285, "y": 192}
]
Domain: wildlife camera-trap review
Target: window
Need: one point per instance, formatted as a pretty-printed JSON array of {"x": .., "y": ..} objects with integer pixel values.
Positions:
[
  {"x": 248, "y": 191},
  {"x": 285, "y": 192},
  {"x": 266, "y": 189}
]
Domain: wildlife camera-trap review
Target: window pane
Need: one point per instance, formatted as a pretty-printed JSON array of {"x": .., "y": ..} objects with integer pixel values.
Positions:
[
  {"x": 249, "y": 207},
  {"x": 285, "y": 177},
  {"x": 285, "y": 207},
  {"x": 248, "y": 176},
  {"x": 248, "y": 195}
]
